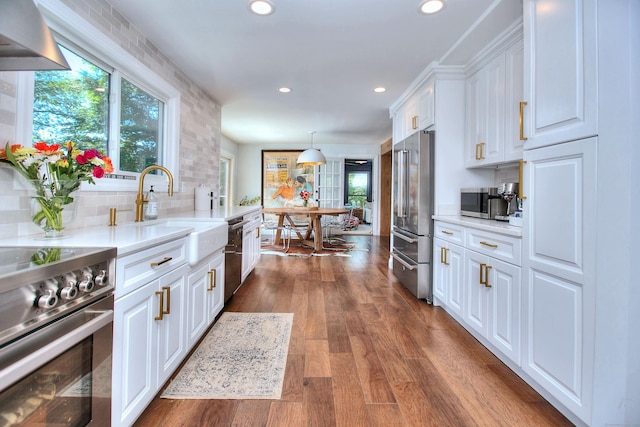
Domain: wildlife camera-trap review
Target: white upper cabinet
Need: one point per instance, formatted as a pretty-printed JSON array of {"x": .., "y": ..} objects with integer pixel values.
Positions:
[
  {"x": 417, "y": 112},
  {"x": 485, "y": 114},
  {"x": 426, "y": 104},
  {"x": 560, "y": 71},
  {"x": 493, "y": 96}
]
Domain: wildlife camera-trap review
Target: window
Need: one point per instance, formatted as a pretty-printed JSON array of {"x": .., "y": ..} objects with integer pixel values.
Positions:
[
  {"x": 72, "y": 105},
  {"x": 225, "y": 175},
  {"x": 109, "y": 100},
  {"x": 140, "y": 128},
  {"x": 358, "y": 188}
]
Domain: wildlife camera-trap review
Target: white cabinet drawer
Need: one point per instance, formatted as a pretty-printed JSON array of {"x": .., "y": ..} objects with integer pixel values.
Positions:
[
  {"x": 137, "y": 269},
  {"x": 449, "y": 232},
  {"x": 505, "y": 248}
]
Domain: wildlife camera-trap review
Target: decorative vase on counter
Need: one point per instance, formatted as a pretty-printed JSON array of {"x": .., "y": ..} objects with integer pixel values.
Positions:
[{"x": 53, "y": 205}]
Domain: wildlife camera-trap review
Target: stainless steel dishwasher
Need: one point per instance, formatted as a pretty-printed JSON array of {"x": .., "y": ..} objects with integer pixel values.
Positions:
[{"x": 233, "y": 257}]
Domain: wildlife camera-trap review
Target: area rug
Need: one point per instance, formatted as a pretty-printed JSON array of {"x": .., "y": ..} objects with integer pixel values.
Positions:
[{"x": 242, "y": 357}]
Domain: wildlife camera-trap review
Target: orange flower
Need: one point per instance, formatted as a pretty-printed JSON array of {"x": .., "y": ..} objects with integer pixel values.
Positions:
[
  {"x": 45, "y": 148},
  {"x": 108, "y": 166},
  {"x": 3, "y": 151}
]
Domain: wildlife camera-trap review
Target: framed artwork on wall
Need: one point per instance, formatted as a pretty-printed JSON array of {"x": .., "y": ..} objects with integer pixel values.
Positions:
[{"x": 283, "y": 178}]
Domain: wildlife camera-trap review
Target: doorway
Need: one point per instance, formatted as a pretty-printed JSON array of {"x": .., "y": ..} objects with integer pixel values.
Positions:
[{"x": 358, "y": 191}]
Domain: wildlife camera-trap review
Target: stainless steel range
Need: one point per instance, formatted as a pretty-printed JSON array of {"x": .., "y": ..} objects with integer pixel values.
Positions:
[{"x": 56, "y": 329}]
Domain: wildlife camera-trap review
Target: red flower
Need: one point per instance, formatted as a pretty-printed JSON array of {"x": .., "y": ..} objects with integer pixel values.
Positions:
[
  {"x": 98, "y": 172},
  {"x": 91, "y": 153},
  {"x": 81, "y": 159}
]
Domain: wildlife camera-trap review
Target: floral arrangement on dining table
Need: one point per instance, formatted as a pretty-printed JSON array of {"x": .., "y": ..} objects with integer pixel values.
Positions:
[
  {"x": 305, "y": 198},
  {"x": 55, "y": 172}
]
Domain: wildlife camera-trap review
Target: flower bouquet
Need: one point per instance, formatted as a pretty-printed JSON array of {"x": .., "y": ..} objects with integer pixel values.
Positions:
[
  {"x": 55, "y": 172},
  {"x": 305, "y": 198}
]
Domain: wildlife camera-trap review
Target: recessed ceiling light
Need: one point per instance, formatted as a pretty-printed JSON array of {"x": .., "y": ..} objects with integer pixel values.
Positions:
[
  {"x": 430, "y": 6},
  {"x": 284, "y": 90},
  {"x": 379, "y": 89},
  {"x": 261, "y": 7}
]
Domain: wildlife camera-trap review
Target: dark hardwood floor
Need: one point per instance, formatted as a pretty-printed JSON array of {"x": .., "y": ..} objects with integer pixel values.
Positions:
[{"x": 365, "y": 352}]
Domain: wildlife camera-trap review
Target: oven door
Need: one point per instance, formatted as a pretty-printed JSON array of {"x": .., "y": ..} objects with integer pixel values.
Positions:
[{"x": 61, "y": 373}]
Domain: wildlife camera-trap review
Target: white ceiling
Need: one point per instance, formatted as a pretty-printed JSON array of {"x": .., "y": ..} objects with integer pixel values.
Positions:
[{"x": 332, "y": 53}]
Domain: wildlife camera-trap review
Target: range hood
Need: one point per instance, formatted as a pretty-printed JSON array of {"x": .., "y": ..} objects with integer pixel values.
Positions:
[{"x": 25, "y": 40}]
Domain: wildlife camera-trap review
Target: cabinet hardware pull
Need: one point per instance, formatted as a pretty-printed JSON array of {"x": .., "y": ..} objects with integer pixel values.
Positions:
[
  {"x": 491, "y": 245},
  {"x": 521, "y": 164},
  {"x": 212, "y": 279},
  {"x": 442, "y": 256},
  {"x": 161, "y": 311},
  {"x": 482, "y": 267},
  {"x": 482, "y": 151},
  {"x": 258, "y": 235},
  {"x": 446, "y": 257},
  {"x": 165, "y": 259},
  {"x": 486, "y": 276},
  {"x": 168, "y": 289},
  {"x": 477, "y": 155},
  {"x": 449, "y": 233},
  {"x": 414, "y": 122},
  {"x": 522, "y": 137}
]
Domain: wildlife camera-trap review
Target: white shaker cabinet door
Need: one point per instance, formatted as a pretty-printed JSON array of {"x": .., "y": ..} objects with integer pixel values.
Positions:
[
  {"x": 559, "y": 270},
  {"x": 560, "y": 71}
]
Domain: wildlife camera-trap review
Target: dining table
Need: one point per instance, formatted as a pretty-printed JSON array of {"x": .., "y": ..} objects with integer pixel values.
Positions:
[{"x": 315, "y": 220}]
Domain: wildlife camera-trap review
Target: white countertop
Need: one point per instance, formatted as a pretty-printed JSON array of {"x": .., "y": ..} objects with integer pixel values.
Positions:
[
  {"x": 494, "y": 226},
  {"x": 129, "y": 237}
]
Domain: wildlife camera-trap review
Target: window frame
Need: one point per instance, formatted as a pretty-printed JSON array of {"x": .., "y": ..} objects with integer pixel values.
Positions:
[{"x": 83, "y": 36}]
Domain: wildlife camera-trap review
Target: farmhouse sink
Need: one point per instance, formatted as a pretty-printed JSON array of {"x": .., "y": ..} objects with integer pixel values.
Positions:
[{"x": 208, "y": 235}]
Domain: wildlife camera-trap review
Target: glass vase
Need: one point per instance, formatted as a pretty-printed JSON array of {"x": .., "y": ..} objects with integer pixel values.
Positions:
[{"x": 53, "y": 205}]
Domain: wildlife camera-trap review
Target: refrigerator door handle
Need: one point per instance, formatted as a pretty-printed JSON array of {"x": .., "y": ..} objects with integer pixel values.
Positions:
[
  {"x": 403, "y": 237},
  {"x": 402, "y": 183},
  {"x": 403, "y": 262}
]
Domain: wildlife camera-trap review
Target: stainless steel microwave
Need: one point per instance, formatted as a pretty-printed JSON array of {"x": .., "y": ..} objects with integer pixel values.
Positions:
[{"x": 483, "y": 203}]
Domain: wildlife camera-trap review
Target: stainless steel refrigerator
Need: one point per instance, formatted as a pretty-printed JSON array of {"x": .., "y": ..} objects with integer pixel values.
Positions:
[{"x": 413, "y": 168}]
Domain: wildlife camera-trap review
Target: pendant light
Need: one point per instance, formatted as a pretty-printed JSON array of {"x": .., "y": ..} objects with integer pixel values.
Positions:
[{"x": 311, "y": 157}]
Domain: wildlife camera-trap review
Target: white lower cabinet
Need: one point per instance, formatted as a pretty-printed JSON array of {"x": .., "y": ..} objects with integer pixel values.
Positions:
[
  {"x": 251, "y": 244},
  {"x": 476, "y": 277},
  {"x": 559, "y": 264},
  {"x": 447, "y": 275},
  {"x": 149, "y": 342},
  {"x": 493, "y": 301},
  {"x": 162, "y": 308},
  {"x": 206, "y": 295}
]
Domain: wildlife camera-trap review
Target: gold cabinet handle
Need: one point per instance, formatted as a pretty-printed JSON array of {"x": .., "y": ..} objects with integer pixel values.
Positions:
[
  {"x": 481, "y": 150},
  {"x": 522, "y": 137},
  {"x": 168, "y": 290},
  {"x": 414, "y": 122},
  {"x": 161, "y": 311},
  {"x": 446, "y": 258},
  {"x": 213, "y": 279},
  {"x": 485, "y": 281},
  {"x": 521, "y": 164},
  {"x": 258, "y": 234},
  {"x": 491, "y": 245},
  {"x": 443, "y": 256},
  {"x": 477, "y": 151},
  {"x": 165, "y": 259},
  {"x": 486, "y": 276},
  {"x": 448, "y": 233}
]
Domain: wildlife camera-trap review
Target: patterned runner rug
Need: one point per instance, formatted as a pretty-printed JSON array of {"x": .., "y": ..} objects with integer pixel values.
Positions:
[{"x": 242, "y": 357}]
